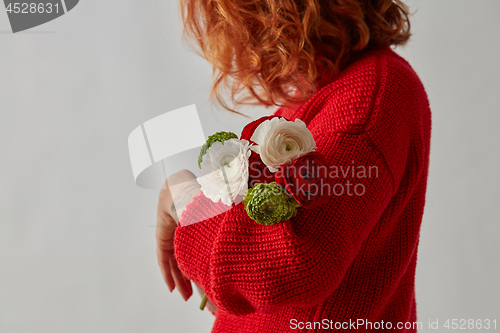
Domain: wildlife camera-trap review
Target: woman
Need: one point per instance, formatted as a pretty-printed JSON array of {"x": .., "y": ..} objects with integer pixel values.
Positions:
[{"x": 350, "y": 263}]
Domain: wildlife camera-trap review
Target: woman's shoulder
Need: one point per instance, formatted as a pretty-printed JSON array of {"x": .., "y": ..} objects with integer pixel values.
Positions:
[{"x": 377, "y": 87}]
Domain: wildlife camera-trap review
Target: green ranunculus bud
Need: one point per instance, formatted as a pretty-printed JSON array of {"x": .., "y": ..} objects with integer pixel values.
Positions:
[
  {"x": 220, "y": 137},
  {"x": 268, "y": 204}
]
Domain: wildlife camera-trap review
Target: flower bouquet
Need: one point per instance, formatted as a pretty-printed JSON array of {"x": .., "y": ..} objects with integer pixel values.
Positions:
[{"x": 273, "y": 169}]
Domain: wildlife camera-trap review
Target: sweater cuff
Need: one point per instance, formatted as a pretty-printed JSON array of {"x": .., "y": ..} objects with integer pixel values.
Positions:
[
  {"x": 194, "y": 238},
  {"x": 201, "y": 209}
]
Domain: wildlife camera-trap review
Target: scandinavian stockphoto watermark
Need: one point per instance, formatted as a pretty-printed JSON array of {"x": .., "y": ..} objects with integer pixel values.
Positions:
[
  {"x": 331, "y": 180},
  {"x": 24, "y": 15}
]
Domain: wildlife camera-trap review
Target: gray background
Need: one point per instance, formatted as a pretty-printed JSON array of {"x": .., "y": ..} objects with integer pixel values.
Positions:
[{"x": 77, "y": 250}]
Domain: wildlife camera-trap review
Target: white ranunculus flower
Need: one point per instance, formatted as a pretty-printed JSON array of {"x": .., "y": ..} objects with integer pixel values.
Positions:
[
  {"x": 224, "y": 170},
  {"x": 280, "y": 141}
]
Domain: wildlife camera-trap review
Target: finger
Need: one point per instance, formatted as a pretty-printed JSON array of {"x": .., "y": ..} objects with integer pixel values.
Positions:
[
  {"x": 164, "y": 251},
  {"x": 188, "y": 281},
  {"x": 165, "y": 229},
  {"x": 164, "y": 263},
  {"x": 183, "y": 285}
]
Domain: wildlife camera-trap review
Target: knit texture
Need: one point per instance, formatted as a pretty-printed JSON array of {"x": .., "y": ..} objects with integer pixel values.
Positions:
[{"x": 351, "y": 258}]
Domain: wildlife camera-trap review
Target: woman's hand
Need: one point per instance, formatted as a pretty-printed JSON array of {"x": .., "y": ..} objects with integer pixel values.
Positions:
[{"x": 178, "y": 191}]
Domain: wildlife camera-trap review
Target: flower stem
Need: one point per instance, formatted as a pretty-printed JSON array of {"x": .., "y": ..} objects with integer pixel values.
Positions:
[{"x": 203, "y": 302}]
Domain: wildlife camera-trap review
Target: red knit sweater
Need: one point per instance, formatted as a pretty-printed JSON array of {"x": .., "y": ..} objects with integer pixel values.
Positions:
[{"x": 349, "y": 260}]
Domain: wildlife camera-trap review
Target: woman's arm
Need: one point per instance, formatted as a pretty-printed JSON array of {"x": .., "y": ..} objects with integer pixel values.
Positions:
[
  {"x": 302, "y": 261},
  {"x": 172, "y": 202},
  {"x": 176, "y": 193}
]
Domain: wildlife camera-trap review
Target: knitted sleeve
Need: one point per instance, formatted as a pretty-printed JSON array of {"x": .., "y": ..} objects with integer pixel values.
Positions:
[{"x": 249, "y": 267}]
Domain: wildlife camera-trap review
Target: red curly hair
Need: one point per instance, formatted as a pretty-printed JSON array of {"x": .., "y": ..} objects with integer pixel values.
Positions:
[{"x": 274, "y": 49}]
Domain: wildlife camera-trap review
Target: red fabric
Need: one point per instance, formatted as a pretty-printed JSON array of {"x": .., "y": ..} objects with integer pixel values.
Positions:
[{"x": 353, "y": 257}]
